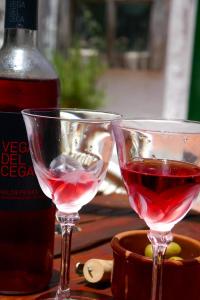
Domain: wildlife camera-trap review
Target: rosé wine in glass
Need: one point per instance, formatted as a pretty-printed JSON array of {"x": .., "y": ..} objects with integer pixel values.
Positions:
[
  {"x": 160, "y": 166},
  {"x": 69, "y": 190},
  {"x": 70, "y": 150},
  {"x": 161, "y": 191}
]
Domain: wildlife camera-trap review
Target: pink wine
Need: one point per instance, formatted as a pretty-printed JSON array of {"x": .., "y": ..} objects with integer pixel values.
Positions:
[
  {"x": 69, "y": 190},
  {"x": 161, "y": 191},
  {"x": 26, "y": 245},
  {"x": 27, "y": 216},
  {"x": 17, "y": 94}
]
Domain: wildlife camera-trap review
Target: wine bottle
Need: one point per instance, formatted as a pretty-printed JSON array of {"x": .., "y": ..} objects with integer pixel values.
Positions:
[{"x": 27, "y": 217}]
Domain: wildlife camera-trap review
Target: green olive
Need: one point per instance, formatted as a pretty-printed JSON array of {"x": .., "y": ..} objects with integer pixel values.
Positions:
[
  {"x": 148, "y": 251},
  {"x": 175, "y": 258},
  {"x": 173, "y": 249}
]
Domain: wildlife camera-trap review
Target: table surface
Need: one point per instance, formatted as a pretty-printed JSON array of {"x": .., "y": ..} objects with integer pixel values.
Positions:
[{"x": 100, "y": 220}]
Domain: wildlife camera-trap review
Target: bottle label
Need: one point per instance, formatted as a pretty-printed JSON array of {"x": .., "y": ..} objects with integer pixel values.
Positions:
[
  {"x": 19, "y": 188},
  {"x": 21, "y": 14}
]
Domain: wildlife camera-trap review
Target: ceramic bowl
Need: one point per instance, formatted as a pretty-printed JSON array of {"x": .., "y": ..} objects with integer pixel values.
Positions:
[{"x": 132, "y": 271}]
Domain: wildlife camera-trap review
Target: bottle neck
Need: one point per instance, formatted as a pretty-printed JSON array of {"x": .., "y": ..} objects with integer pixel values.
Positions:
[
  {"x": 20, "y": 37},
  {"x": 21, "y": 14},
  {"x": 20, "y": 23}
]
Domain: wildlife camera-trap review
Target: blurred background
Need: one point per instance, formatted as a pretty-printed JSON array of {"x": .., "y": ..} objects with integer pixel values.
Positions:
[{"x": 135, "y": 57}]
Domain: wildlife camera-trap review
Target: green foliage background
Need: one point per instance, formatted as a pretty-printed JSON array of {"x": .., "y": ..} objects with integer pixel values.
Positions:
[{"x": 78, "y": 79}]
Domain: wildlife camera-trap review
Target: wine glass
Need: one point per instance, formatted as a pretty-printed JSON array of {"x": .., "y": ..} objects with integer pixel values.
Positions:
[
  {"x": 160, "y": 166},
  {"x": 70, "y": 150}
]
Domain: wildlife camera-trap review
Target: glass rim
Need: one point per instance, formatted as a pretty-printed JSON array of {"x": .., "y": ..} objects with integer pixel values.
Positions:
[
  {"x": 186, "y": 129},
  {"x": 38, "y": 112}
]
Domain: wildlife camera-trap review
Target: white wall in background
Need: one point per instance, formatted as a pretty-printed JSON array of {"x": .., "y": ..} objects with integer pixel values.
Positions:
[{"x": 179, "y": 58}]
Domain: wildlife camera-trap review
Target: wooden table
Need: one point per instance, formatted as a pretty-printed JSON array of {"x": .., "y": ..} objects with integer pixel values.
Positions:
[{"x": 104, "y": 217}]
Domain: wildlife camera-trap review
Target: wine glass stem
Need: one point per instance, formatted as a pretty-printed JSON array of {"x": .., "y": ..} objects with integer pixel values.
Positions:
[
  {"x": 159, "y": 241},
  {"x": 67, "y": 222}
]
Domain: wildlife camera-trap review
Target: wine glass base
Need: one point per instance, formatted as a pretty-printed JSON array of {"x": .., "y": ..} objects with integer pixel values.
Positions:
[
  {"x": 52, "y": 296},
  {"x": 73, "y": 298}
]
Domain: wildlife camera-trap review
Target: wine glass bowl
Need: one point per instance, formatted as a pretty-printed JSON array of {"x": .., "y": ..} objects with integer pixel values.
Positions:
[
  {"x": 70, "y": 150},
  {"x": 160, "y": 166},
  {"x": 70, "y": 154}
]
